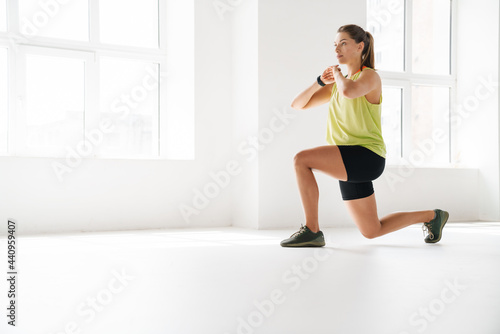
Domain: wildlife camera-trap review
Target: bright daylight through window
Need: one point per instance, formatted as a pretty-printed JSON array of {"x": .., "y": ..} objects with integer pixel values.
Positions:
[{"x": 82, "y": 78}]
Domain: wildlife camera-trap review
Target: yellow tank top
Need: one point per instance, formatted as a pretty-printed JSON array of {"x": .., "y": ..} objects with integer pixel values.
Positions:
[{"x": 355, "y": 121}]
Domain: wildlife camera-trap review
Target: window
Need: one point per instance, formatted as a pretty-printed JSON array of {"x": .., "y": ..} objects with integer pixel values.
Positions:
[
  {"x": 431, "y": 30},
  {"x": 386, "y": 21},
  {"x": 413, "y": 53},
  {"x": 53, "y": 103},
  {"x": 391, "y": 119},
  {"x": 87, "y": 77},
  {"x": 135, "y": 26},
  {"x": 430, "y": 133},
  {"x": 135, "y": 117},
  {"x": 65, "y": 20}
]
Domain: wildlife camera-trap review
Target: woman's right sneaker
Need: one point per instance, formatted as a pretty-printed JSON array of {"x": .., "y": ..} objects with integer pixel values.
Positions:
[
  {"x": 434, "y": 228},
  {"x": 304, "y": 238}
]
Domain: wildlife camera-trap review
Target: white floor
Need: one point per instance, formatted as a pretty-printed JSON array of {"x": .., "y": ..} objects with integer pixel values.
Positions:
[{"x": 227, "y": 281}]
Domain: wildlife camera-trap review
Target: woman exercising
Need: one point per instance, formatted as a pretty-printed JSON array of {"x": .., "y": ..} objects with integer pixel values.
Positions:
[{"x": 356, "y": 151}]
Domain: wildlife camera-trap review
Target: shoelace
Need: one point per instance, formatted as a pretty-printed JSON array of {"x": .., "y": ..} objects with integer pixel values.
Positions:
[
  {"x": 427, "y": 228},
  {"x": 299, "y": 232}
]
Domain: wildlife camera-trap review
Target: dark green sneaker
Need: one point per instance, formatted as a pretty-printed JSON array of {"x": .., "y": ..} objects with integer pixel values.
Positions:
[
  {"x": 304, "y": 238},
  {"x": 434, "y": 228}
]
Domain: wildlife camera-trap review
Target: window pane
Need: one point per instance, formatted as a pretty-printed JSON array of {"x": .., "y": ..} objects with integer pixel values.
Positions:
[
  {"x": 431, "y": 36},
  {"x": 54, "y": 104},
  {"x": 4, "y": 106},
  {"x": 129, "y": 22},
  {"x": 386, "y": 21},
  {"x": 430, "y": 125},
  {"x": 56, "y": 19},
  {"x": 3, "y": 15},
  {"x": 391, "y": 122},
  {"x": 129, "y": 100}
]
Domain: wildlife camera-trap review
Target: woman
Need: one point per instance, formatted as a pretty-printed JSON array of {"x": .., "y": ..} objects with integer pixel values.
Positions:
[{"x": 356, "y": 154}]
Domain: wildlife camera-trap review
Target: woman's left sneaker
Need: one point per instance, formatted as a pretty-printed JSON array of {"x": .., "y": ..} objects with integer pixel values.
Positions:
[
  {"x": 434, "y": 228},
  {"x": 304, "y": 238}
]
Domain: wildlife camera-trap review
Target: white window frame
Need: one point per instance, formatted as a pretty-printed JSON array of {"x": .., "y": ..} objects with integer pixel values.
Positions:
[
  {"x": 19, "y": 45},
  {"x": 407, "y": 79}
]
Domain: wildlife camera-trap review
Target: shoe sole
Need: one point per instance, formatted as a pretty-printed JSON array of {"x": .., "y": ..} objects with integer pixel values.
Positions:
[
  {"x": 305, "y": 244},
  {"x": 446, "y": 216}
]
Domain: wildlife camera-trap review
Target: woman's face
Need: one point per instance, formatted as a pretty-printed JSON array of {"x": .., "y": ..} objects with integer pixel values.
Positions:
[{"x": 347, "y": 49}]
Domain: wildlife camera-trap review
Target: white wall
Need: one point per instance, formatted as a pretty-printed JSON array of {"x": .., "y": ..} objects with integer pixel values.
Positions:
[
  {"x": 245, "y": 103},
  {"x": 477, "y": 121}
]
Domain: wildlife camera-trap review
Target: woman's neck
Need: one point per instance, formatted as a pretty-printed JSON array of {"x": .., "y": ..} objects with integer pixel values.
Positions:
[{"x": 353, "y": 68}]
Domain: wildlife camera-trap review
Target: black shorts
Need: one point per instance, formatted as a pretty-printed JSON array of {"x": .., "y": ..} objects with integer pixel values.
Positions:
[{"x": 362, "y": 166}]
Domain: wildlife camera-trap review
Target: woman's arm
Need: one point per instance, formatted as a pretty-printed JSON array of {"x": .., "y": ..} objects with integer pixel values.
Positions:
[
  {"x": 315, "y": 95},
  {"x": 367, "y": 82}
]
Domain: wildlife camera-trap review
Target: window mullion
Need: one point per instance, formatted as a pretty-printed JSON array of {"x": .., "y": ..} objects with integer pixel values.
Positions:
[
  {"x": 407, "y": 145},
  {"x": 162, "y": 19},
  {"x": 451, "y": 128},
  {"x": 162, "y": 112},
  {"x": 13, "y": 17},
  {"x": 420, "y": 78},
  {"x": 92, "y": 82},
  {"x": 91, "y": 111},
  {"x": 453, "y": 92},
  {"x": 17, "y": 132},
  {"x": 408, "y": 37},
  {"x": 94, "y": 21},
  {"x": 13, "y": 81}
]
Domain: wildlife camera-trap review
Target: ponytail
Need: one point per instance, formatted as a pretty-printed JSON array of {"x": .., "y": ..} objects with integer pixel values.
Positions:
[
  {"x": 368, "y": 55},
  {"x": 360, "y": 35}
]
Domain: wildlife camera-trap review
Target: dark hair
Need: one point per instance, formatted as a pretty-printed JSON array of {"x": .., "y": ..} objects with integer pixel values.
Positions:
[{"x": 359, "y": 35}]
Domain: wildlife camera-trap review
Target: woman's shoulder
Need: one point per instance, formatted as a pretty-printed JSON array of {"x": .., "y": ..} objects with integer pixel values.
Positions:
[
  {"x": 368, "y": 72},
  {"x": 367, "y": 69}
]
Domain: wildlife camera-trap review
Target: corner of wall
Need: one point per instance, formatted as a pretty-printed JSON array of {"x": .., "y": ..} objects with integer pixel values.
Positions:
[
  {"x": 479, "y": 123},
  {"x": 178, "y": 113},
  {"x": 245, "y": 113}
]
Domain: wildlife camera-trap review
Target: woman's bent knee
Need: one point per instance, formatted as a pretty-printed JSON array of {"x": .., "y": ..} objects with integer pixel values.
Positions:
[
  {"x": 370, "y": 233},
  {"x": 300, "y": 159}
]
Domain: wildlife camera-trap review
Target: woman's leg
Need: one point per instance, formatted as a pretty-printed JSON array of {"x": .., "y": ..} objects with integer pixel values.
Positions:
[
  {"x": 364, "y": 213},
  {"x": 326, "y": 159}
]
